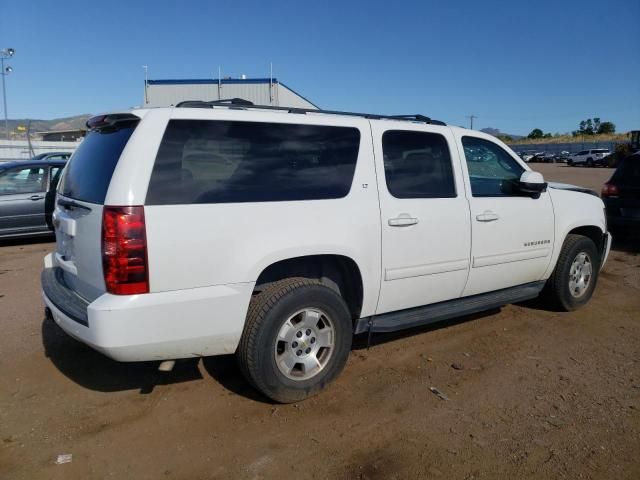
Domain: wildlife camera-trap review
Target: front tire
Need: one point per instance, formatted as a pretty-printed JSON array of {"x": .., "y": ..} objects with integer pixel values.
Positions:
[
  {"x": 296, "y": 339},
  {"x": 573, "y": 280},
  {"x": 589, "y": 162}
]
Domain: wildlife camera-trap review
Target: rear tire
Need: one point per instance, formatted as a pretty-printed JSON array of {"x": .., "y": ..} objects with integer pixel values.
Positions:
[
  {"x": 570, "y": 163},
  {"x": 296, "y": 339},
  {"x": 589, "y": 162},
  {"x": 575, "y": 276}
]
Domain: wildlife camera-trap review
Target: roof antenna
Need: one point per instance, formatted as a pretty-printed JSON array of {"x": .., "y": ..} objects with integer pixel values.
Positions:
[{"x": 219, "y": 82}]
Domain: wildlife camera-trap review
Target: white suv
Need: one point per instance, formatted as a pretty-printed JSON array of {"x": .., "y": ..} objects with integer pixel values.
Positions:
[
  {"x": 278, "y": 234},
  {"x": 590, "y": 158}
]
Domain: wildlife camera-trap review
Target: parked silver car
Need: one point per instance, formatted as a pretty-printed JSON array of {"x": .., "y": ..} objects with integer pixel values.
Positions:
[{"x": 27, "y": 195}]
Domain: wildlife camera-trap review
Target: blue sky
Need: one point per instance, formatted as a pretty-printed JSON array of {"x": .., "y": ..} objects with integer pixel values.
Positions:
[{"x": 516, "y": 65}]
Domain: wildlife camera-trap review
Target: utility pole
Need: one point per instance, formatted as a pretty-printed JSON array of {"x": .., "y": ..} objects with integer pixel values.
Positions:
[
  {"x": 146, "y": 82},
  {"x": 471, "y": 117},
  {"x": 5, "y": 53}
]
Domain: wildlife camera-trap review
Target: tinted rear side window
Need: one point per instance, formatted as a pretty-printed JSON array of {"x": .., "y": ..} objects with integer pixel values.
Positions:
[
  {"x": 211, "y": 161},
  {"x": 417, "y": 165},
  {"x": 89, "y": 172}
]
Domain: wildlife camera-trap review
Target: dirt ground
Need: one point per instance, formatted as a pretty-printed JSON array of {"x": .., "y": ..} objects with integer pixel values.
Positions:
[{"x": 536, "y": 394}]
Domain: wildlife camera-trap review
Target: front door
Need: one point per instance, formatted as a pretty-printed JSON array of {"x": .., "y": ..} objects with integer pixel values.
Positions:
[
  {"x": 512, "y": 233},
  {"x": 22, "y": 200},
  {"x": 426, "y": 236}
]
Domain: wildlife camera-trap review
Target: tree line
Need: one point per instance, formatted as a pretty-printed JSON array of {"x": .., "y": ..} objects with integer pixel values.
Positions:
[{"x": 590, "y": 126}]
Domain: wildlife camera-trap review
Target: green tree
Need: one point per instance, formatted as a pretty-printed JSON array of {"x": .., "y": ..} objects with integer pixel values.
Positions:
[
  {"x": 536, "y": 133},
  {"x": 606, "y": 127},
  {"x": 596, "y": 124},
  {"x": 589, "y": 127},
  {"x": 505, "y": 138}
]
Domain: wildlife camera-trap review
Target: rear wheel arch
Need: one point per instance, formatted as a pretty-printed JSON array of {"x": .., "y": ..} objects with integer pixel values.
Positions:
[{"x": 338, "y": 272}]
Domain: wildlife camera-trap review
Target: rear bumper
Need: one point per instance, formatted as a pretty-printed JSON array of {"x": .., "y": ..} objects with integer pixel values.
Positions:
[{"x": 155, "y": 326}]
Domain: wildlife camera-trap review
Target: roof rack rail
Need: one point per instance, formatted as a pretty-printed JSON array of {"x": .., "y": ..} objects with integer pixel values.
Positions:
[
  {"x": 205, "y": 104},
  {"x": 241, "y": 103}
]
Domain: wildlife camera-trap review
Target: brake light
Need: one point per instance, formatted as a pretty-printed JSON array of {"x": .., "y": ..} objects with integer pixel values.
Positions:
[
  {"x": 609, "y": 190},
  {"x": 124, "y": 250}
]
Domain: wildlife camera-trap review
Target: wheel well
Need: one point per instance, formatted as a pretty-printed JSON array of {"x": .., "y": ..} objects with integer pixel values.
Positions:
[
  {"x": 337, "y": 272},
  {"x": 592, "y": 232}
]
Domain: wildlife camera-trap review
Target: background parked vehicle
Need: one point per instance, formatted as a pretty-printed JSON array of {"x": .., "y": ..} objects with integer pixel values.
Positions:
[
  {"x": 526, "y": 155},
  {"x": 561, "y": 157},
  {"x": 621, "y": 196},
  {"x": 53, "y": 156},
  {"x": 27, "y": 195},
  {"x": 542, "y": 157},
  {"x": 590, "y": 158}
]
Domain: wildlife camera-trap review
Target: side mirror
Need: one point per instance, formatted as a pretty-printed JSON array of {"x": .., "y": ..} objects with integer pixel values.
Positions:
[{"x": 532, "y": 183}]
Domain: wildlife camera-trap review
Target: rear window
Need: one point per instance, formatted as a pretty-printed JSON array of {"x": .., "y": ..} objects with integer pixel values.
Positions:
[
  {"x": 89, "y": 171},
  {"x": 628, "y": 173},
  {"x": 601, "y": 150},
  {"x": 211, "y": 161}
]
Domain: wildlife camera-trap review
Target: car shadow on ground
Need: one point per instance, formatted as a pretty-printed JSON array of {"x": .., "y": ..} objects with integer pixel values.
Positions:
[
  {"x": 224, "y": 369},
  {"x": 94, "y": 371}
]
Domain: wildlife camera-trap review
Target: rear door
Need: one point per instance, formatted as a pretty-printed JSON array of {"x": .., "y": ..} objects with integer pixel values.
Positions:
[
  {"x": 426, "y": 237},
  {"x": 512, "y": 233},
  {"x": 77, "y": 215},
  {"x": 22, "y": 200}
]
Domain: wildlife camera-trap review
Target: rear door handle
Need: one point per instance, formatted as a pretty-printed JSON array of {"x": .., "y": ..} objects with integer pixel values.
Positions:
[
  {"x": 36, "y": 197},
  {"x": 402, "y": 220},
  {"x": 487, "y": 216}
]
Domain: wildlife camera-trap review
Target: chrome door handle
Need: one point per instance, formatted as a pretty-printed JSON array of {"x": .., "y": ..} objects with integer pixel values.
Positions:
[
  {"x": 402, "y": 220},
  {"x": 487, "y": 216},
  {"x": 36, "y": 197}
]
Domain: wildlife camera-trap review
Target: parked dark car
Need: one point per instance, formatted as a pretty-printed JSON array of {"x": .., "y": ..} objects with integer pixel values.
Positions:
[
  {"x": 53, "y": 156},
  {"x": 27, "y": 195},
  {"x": 542, "y": 157},
  {"x": 621, "y": 196}
]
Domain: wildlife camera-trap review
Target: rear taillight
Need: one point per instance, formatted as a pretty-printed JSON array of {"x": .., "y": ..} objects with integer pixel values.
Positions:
[
  {"x": 124, "y": 250},
  {"x": 609, "y": 190}
]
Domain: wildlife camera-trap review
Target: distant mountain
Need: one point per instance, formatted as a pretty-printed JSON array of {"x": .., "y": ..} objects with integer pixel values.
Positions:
[
  {"x": 496, "y": 132},
  {"x": 65, "y": 123}
]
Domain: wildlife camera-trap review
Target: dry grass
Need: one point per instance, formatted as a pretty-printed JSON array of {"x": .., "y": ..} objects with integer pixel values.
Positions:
[{"x": 614, "y": 137}]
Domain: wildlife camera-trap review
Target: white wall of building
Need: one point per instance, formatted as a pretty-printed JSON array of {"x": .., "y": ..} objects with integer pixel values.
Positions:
[
  {"x": 19, "y": 149},
  {"x": 163, "y": 93}
]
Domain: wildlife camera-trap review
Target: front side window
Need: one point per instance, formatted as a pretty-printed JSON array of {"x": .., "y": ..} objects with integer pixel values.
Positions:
[
  {"x": 213, "y": 161},
  {"x": 417, "y": 165},
  {"x": 492, "y": 171},
  {"x": 22, "y": 180}
]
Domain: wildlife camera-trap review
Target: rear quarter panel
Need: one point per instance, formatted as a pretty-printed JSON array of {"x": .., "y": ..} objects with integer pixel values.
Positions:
[{"x": 202, "y": 245}]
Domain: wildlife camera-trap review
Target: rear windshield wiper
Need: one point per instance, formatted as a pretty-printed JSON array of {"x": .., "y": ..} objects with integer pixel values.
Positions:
[{"x": 70, "y": 204}]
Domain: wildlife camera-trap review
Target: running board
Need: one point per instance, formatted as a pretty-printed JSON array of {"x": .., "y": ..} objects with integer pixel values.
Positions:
[{"x": 415, "y": 317}]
